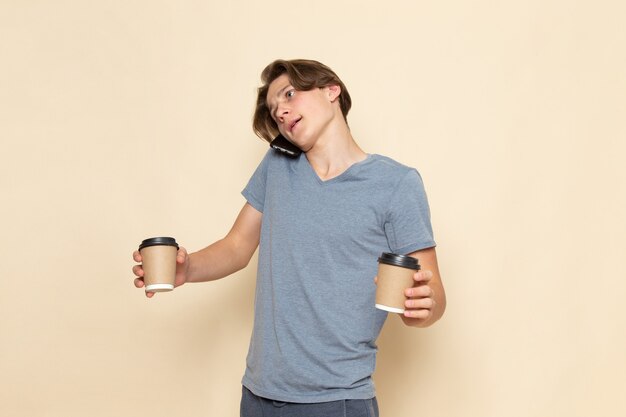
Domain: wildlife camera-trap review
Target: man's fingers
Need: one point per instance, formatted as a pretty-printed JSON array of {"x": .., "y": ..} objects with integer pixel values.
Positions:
[
  {"x": 421, "y": 291},
  {"x": 423, "y": 276},
  {"x": 182, "y": 255},
  {"x": 417, "y": 314},
  {"x": 420, "y": 303}
]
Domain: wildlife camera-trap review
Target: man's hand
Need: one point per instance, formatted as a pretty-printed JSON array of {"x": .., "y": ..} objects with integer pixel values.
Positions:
[
  {"x": 420, "y": 298},
  {"x": 182, "y": 266}
]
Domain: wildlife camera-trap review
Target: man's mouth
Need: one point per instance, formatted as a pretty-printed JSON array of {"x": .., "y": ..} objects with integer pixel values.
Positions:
[{"x": 294, "y": 123}]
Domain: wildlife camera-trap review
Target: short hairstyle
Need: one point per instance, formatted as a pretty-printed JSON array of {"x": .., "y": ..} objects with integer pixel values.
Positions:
[{"x": 303, "y": 75}]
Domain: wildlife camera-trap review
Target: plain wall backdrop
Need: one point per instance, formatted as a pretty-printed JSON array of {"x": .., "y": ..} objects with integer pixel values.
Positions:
[{"x": 121, "y": 120}]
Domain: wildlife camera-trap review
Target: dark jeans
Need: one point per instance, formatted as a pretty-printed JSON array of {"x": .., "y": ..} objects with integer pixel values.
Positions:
[{"x": 253, "y": 406}]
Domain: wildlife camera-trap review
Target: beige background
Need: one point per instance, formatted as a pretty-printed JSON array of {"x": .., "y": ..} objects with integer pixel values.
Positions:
[{"x": 121, "y": 120}]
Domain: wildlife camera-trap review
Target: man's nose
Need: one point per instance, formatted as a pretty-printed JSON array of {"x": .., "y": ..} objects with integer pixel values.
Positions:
[{"x": 281, "y": 112}]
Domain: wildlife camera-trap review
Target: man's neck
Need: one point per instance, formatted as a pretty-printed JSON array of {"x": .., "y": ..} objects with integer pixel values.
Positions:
[{"x": 334, "y": 153}]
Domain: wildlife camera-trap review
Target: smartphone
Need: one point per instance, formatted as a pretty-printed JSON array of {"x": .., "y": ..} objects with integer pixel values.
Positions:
[{"x": 281, "y": 144}]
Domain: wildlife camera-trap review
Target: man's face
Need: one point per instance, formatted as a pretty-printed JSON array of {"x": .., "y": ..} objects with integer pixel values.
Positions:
[{"x": 301, "y": 116}]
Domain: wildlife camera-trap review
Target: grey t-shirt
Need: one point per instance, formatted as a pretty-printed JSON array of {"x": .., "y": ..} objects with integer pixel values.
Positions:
[{"x": 315, "y": 327}]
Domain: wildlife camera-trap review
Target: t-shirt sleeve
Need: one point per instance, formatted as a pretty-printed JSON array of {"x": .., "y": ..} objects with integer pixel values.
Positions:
[
  {"x": 408, "y": 226},
  {"x": 254, "y": 192}
]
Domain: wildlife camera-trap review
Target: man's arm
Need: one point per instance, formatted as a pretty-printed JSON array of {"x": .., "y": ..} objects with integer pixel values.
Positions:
[
  {"x": 230, "y": 254},
  {"x": 426, "y": 301}
]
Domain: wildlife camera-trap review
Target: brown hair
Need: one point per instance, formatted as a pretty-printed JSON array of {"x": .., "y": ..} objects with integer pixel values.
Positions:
[{"x": 303, "y": 75}]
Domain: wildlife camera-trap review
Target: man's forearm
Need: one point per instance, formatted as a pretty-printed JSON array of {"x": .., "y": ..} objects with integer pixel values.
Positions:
[{"x": 216, "y": 261}]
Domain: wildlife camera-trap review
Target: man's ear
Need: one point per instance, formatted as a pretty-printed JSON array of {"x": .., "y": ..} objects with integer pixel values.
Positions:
[{"x": 333, "y": 91}]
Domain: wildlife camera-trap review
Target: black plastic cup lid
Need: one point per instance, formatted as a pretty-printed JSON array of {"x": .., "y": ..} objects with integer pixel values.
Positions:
[
  {"x": 158, "y": 241},
  {"x": 399, "y": 260}
]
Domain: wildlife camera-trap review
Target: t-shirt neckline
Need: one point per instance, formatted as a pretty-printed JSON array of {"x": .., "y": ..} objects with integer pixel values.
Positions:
[{"x": 345, "y": 174}]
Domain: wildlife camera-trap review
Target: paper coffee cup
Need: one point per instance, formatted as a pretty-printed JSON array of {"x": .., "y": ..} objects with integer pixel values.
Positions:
[
  {"x": 395, "y": 274},
  {"x": 159, "y": 263}
]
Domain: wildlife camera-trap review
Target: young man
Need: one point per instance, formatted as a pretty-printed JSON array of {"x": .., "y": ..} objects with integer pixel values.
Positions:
[{"x": 321, "y": 221}]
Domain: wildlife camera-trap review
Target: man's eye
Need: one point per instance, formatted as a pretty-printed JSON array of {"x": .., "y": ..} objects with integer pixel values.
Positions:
[{"x": 290, "y": 93}]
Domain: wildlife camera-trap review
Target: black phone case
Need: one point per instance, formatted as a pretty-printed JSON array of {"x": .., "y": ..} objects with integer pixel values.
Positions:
[{"x": 282, "y": 145}]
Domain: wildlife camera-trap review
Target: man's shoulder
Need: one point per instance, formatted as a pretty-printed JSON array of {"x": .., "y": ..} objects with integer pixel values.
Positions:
[
  {"x": 277, "y": 160},
  {"x": 386, "y": 165}
]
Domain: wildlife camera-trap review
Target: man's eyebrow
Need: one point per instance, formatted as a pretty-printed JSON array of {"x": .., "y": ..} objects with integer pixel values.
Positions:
[
  {"x": 271, "y": 108},
  {"x": 282, "y": 89}
]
